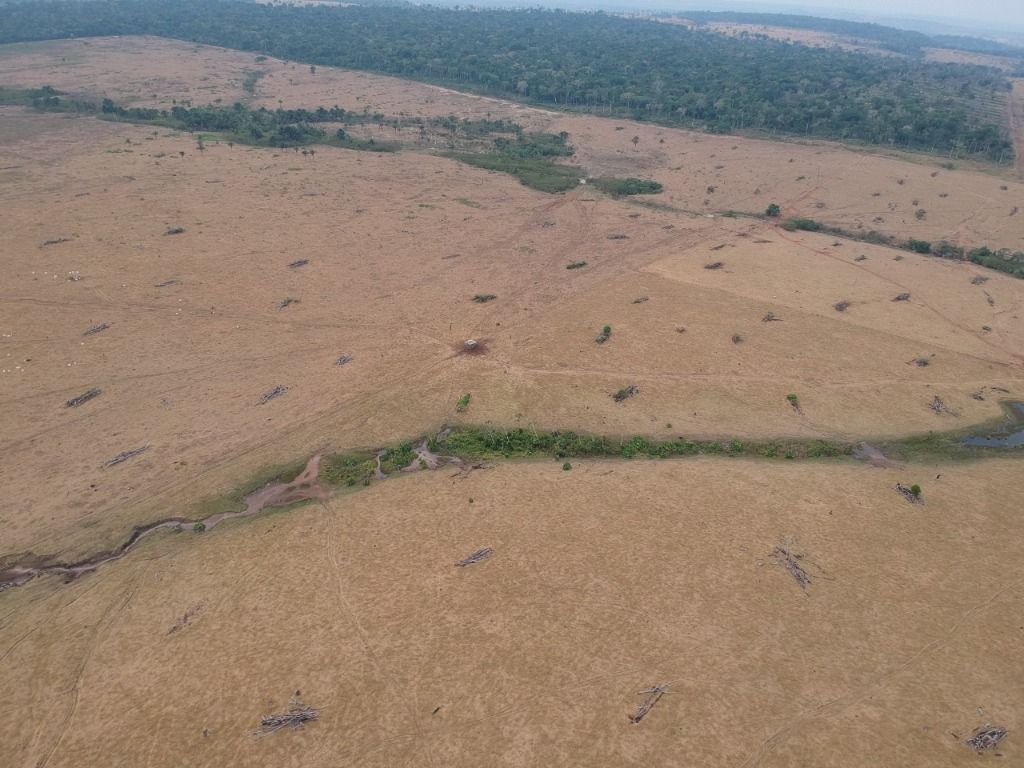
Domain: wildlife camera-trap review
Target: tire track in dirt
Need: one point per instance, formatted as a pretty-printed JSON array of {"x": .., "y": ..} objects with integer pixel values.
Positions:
[
  {"x": 366, "y": 641},
  {"x": 102, "y": 627}
]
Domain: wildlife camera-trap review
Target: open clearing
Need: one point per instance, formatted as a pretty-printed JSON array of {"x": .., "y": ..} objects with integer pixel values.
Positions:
[{"x": 606, "y": 579}]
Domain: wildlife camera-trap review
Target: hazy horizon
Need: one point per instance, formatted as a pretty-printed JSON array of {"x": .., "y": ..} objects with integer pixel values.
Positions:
[{"x": 997, "y": 17}]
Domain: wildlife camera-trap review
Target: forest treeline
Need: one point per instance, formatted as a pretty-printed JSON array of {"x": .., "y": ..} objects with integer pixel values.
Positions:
[{"x": 589, "y": 62}]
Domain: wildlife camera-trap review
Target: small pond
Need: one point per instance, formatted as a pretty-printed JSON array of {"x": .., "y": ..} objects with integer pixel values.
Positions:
[{"x": 1010, "y": 434}]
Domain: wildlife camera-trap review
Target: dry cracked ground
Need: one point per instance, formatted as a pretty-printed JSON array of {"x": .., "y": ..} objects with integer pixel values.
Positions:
[{"x": 605, "y": 580}]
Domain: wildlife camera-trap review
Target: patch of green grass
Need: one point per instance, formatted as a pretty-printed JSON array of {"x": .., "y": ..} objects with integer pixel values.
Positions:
[
  {"x": 397, "y": 458},
  {"x": 534, "y": 172},
  {"x": 347, "y": 469},
  {"x": 576, "y": 265},
  {"x": 252, "y": 76},
  {"x": 463, "y": 403}
]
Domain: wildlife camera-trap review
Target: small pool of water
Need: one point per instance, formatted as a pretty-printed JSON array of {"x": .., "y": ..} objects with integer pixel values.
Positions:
[{"x": 1009, "y": 435}]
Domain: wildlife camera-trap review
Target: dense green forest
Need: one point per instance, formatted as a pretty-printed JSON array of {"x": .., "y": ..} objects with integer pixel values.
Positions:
[
  {"x": 904, "y": 41},
  {"x": 593, "y": 62}
]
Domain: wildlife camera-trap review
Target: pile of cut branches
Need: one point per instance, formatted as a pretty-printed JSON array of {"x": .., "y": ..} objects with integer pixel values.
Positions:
[{"x": 297, "y": 716}]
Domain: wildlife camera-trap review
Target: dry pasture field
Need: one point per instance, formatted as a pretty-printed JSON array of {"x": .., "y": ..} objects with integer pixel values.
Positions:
[{"x": 606, "y": 579}]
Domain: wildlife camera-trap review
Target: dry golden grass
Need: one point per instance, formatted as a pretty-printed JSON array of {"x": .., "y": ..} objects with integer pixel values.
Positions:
[
  {"x": 605, "y": 580},
  {"x": 608, "y": 578}
]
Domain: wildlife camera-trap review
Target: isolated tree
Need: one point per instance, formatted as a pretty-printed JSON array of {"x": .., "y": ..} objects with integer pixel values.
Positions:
[
  {"x": 773, "y": 210},
  {"x": 635, "y": 140}
]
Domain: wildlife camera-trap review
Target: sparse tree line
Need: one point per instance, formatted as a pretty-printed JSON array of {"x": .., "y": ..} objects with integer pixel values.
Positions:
[
  {"x": 292, "y": 127},
  {"x": 590, "y": 62},
  {"x": 1000, "y": 259}
]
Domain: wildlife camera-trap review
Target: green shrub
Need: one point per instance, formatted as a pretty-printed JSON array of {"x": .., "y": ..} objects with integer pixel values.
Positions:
[
  {"x": 199, "y": 527},
  {"x": 916, "y": 490},
  {"x": 463, "y": 403},
  {"x": 629, "y": 186},
  {"x": 806, "y": 225},
  {"x": 566, "y": 467},
  {"x": 773, "y": 210}
]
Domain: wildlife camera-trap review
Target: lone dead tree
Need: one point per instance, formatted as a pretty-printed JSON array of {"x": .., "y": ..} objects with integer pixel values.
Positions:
[
  {"x": 277, "y": 391},
  {"x": 476, "y": 557},
  {"x": 654, "y": 694},
  {"x": 124, "y": 456}
]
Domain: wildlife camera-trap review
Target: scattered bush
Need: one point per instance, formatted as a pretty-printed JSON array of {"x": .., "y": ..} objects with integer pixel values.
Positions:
[
  {"x": 199, "y": 527},
  {"x": 773, "y": 210},
  {"x": 463, "y": 403},
  {"x": 566, "y": 467},
  {"x": 576, "y": 265},
  {"x": 625, "y": 393}
]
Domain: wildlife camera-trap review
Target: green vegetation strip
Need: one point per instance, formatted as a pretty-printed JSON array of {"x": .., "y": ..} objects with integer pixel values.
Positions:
[
  {"x": 481, "y": 442},
  {"x": 470, "y": 443}
]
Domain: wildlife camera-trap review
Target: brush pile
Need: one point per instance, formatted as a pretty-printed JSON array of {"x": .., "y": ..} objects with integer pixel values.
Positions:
[
  {"x": 908, "y": 493},
  {"x": 83, "y": 398},
  {"x": 654, "y": 694},
  {"x": 297, "y": 716},
  {"x": 986, "y": 738},
  {"x": 785, "y": 557}
]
